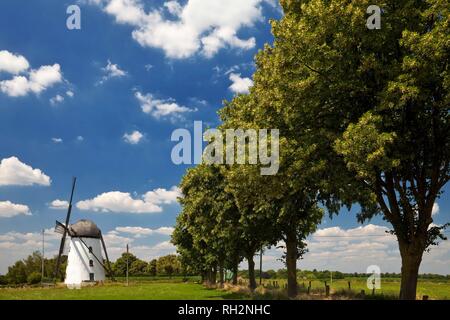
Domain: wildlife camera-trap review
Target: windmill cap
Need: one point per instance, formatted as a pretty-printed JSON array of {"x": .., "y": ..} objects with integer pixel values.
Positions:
[{"x": 85, "y": 229}]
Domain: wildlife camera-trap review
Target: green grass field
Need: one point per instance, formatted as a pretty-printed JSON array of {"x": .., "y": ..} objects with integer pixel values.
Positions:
[
  {"x": 119, "y": 291},
  {"x": 435, "y": 289},
  {"x": 175, "y": 289}
]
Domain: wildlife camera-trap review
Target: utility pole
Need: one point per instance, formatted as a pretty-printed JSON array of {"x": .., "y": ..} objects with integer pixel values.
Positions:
[
  {"x": 127, "y": 266},
  {"x": 43, "y": 256}
]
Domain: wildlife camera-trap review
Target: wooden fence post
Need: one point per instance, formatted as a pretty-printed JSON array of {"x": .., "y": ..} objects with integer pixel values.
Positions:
[{"x": 349, "y": 286}]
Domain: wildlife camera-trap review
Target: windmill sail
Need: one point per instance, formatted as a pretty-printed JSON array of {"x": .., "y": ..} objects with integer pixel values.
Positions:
[
  {"x": 60, "y": 228},
  {"x": 64, "y": 230}
]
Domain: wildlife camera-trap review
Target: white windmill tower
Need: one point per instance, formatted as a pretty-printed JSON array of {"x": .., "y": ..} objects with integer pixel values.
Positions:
[{"x": 85, "y": 264}]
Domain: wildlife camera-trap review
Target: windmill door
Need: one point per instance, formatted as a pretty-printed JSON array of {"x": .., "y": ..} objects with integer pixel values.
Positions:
[{"x": 91, "y": 277}]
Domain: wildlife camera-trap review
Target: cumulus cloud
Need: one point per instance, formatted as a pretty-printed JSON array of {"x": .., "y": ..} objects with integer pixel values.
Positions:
[
  {"x": 37, "y": 81},
  {"x": 110, "y": 71},
  {"x": 160, "y": 108},
  {"x": 57, "y": 140},
  {"x": 70, "y": 93},
  {"x": 240, "y": 85},
  {"x": 182, "y": 30},
  {"x": 11, "y": 63},
  {"x": 16, "y": 245},
  {"x": 15, "y": 173},
  {"x": 122, "y": 202},
  {"x": 141, "y": 232},
  {"x": 163, "y": 196},
  {"x": 355, "y": 249},
  {"x": 9, "y": 209},
  {"x": 133, "y": 138},
  {"x": 58, "y": 205}
]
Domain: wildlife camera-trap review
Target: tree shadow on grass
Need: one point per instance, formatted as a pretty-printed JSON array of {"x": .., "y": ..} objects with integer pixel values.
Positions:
[{"x": 227, "y": 295}]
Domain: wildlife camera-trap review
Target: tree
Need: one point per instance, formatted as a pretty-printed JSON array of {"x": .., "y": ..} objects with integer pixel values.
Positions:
[
  {"x": 168, "y": 265},
  {"x": 370, "y": 105},
  {"x": 138, "y": 268},
  {"x": 151, "y": 268},
  {"x": 17, "y": 273},
  {"x": 287, "y": 203},
  {"x": 120, "y": 266},
  {"x": 34, "y": 278}
]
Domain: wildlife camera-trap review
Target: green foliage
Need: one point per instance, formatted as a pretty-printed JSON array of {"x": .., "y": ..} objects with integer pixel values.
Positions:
[
  {"x": 120, "y": 266},
  {"x": 34, "y": 278},
  {"x": 151, "y": 268},
  {"x": 168, "y": 265},
  {"x": 138, "y": 268}
]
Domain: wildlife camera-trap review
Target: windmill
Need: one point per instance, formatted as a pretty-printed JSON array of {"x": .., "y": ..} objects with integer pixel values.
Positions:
[{"x": 85, "y": 261}]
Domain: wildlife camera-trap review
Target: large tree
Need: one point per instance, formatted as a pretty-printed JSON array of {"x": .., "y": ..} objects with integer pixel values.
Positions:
[
  {"x": 373, "y": 105},
  {"x": 287, "y": 201}
]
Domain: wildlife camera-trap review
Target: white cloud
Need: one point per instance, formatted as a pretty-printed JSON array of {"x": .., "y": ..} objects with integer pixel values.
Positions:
[
  {"x": 80, "y": 138},
  {"x": 57, "y": 140},
  {"x": 9, "y": 209},
  {"x": 158, "y": 108},
  {"x": 37, "y": 81},
  {"x": 70, "y": 93},
  {"x": 15, "y": 246},
  {"x": 240, "y": 85},
  {"x": 133, "y": 138},
  {"x": 163, "y": 196},
  {"x": 140, "y": 232},
  {"x": 110, "y": 71},
  {"x": 435, "y": 209},
  {"x": 59, "y": 204},
  {"x": 173, "y": 7},
  {"x": 56, "y": 99},
  {"x": 197, "y": 26},
  {"x": 121, "y": 202},
  {"x": 14, "y": 172},
  {"x": 354, "y": 249},
  {"x": 12, "y": 63}
]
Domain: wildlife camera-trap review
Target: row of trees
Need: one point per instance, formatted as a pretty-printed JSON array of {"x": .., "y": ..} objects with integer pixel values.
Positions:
[
  {"x": 169, "y": 265},
  {"x": 363, "y": 119},
  {"x": 29, "y": 270}
]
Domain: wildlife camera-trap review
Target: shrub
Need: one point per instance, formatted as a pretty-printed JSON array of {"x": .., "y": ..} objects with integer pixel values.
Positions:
[{"x": 34, "y": 278}]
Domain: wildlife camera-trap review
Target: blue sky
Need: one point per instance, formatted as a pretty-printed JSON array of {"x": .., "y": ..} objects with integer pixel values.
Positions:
[{"x": 101, "y": 103}]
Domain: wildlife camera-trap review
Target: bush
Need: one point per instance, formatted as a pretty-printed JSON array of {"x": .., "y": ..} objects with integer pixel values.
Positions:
[
  {"x": 3, "y": 280},
  {"x": 34, "y": 278}
]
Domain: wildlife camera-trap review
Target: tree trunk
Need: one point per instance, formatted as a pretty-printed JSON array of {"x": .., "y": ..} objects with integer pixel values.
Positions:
[
  {"x": 251, "y": 272},
  {"x": 235, "y": 272},
  {"x": 291, "y": 263},
  {"x": 410, "y": 273},
  {"x": 214, "y": 275},
  {"x": 221, "y": 274}
]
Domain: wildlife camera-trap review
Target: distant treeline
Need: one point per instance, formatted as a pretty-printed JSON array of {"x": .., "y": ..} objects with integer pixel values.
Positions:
[
  {"x": 29, "y": 270},
  {"x": 326, "y": 275}
]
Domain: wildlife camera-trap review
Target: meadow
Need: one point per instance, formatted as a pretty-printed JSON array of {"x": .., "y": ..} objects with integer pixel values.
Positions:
[{"x": 176, "y": 289}]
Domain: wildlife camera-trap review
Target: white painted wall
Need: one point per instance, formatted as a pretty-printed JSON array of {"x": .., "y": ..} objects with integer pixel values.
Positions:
[{"x": 78, "y": 268}]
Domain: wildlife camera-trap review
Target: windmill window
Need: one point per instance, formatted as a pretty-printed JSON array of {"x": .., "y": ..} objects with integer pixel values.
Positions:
[
  {"x": 90, "y": 249},
  {"x": 91, "y": 263}
]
